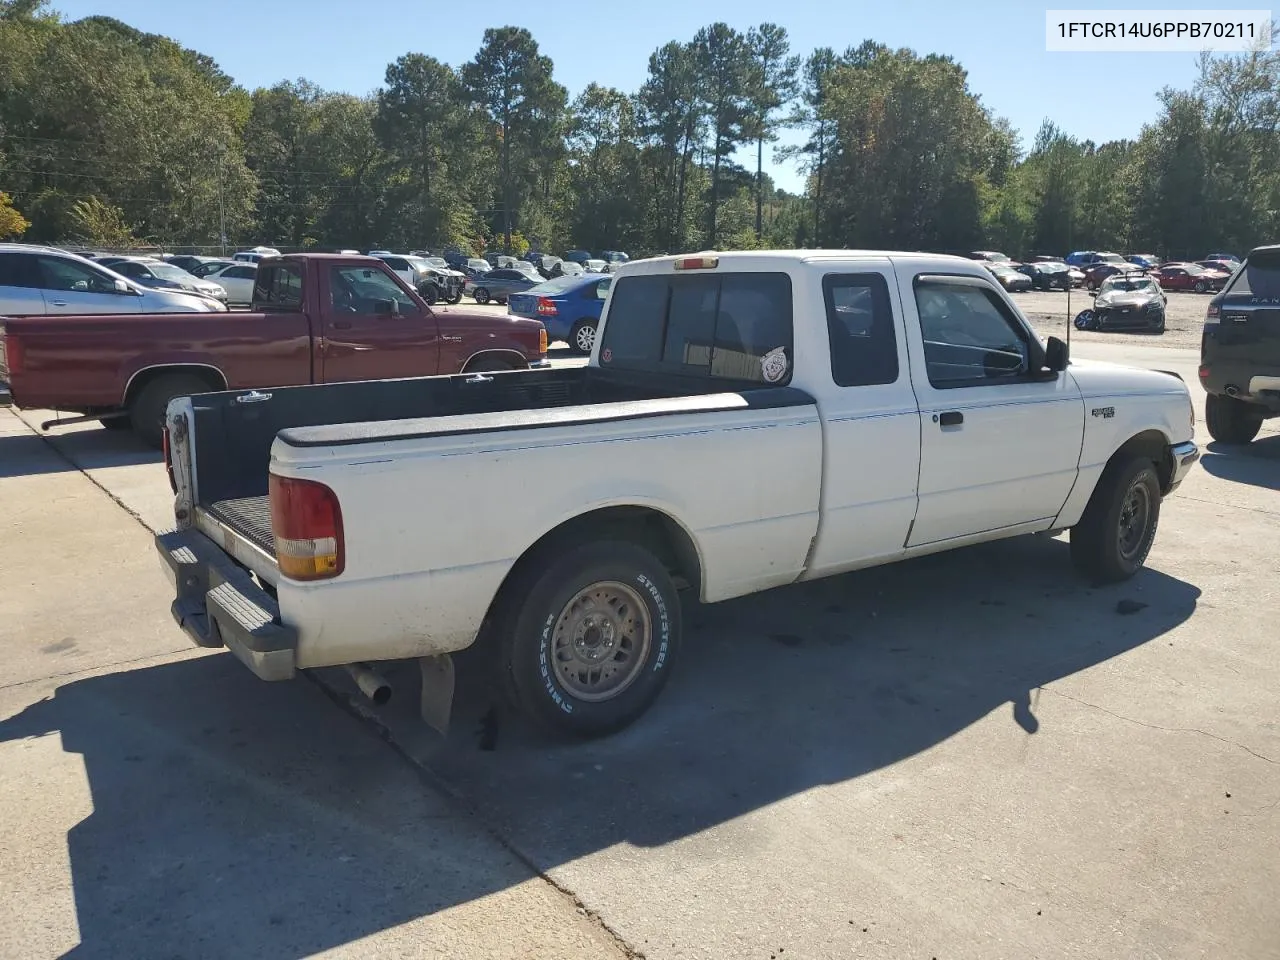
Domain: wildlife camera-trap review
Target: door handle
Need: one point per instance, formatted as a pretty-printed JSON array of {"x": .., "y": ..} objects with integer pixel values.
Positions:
[
  {"x": 58, "y": 303},
  {"x": 341, "y": 325},
  {"x": 949, "y": 418}
]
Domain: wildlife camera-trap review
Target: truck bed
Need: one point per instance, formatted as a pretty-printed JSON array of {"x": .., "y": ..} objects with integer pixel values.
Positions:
[{"x": 234, "y": 430}]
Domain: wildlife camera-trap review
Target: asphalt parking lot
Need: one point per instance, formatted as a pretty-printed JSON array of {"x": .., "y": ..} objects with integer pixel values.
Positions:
[{"x": 971, "y": 755}]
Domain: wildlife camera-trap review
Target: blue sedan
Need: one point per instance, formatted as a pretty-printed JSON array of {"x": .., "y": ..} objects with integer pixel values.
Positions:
[{"x": 569, "y": 307}]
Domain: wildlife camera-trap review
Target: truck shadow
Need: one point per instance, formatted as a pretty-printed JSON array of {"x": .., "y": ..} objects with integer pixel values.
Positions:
[
  {"x": 233, "y": 818},
  {"x": 809, "y": 685},
  {"x": 237, "y": 818},
  {"x": 88, "y": 449},
  {"x": 1257, "y": 464}
]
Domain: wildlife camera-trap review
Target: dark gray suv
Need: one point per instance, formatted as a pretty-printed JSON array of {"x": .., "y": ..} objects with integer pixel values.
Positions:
[{"x": 1240, "y": 350}]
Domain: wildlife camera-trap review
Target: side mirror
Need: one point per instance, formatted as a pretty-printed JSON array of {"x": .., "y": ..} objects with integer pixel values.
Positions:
[
  {"x": 1056, "y": 355},
  {"x": 121, "y": 287},
  {"x": 386, "y": 308}
]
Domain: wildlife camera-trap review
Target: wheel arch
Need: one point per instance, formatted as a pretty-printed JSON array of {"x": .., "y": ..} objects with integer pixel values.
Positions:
[
  {"x": 1151, "y": 444},
  {"x": 497, "y": 353},
  {"x": 212, "y": 375},
  {"x": 647, "y": 526}
]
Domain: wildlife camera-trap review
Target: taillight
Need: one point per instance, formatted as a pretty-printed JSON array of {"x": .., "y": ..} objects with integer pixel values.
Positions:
[
  {"x": 1212, "y": 313},
  {"x": 1204, "y": 373},
  {"x": 306, "y": 522},
  {"x": 546, "y": 308},
  {"x": 542, "y": 340},
  {"x": 168, "y": 460}
]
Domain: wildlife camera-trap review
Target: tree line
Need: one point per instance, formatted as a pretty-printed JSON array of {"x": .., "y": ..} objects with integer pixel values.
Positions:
[{"x": 113, "y": 137}]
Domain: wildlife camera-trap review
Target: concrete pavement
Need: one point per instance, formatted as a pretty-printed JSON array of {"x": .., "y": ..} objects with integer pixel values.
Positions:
[
  {"x": 970, "y": 755},
  {"x": 157, "y": 801}
]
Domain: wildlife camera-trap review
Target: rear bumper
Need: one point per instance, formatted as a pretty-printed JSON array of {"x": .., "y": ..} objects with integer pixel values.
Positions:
[
  {"x": 219, "y": 604},
  {"x": 6, "y": 395},
  {"x": 1184, "y": 456}
]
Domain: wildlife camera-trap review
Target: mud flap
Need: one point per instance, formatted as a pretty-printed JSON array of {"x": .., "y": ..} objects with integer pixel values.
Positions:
[{"x": 437, "y": 691}]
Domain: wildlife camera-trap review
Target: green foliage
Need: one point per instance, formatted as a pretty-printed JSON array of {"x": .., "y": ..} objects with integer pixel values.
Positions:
[
  {"x": 110, "y": 134},
  {"x": 12, "y": 223},
  {"x": 102, "y": 225}
]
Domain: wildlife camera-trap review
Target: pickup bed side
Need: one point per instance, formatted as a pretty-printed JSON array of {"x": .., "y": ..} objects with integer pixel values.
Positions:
[{"x": 746, "y": 420}]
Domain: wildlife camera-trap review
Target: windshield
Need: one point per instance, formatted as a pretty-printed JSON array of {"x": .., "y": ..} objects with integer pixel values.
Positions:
[
  {"x": 438, "y": 262},
  {"x": 1111, "y": 258},
  {"x": 1127, "y": 283},
  {"x": 420, "y": 264},
  {"x": 557, "y": 286},
  {"x": 167, "y": 271},
  {"x": 1193, "y": 268}
]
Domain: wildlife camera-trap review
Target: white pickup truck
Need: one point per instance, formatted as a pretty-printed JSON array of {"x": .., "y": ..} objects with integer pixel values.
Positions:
[{"x": 747, "y": 420}]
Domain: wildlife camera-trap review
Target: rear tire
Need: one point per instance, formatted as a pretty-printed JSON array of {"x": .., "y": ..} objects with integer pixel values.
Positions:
[
  {"x": 1201, "y": 286},
  {"x": 1230, "y": 420},
  {"x": 582, "y": 338},
  {"x": 1114, "y": 536},
  {"x": 147, "y": 410},
  {"x": 481, "y": 295},
  {"x": 590, "y": 637}
]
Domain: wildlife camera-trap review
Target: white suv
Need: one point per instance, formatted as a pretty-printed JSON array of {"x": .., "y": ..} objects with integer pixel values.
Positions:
[{"x": 43, "y": 280}]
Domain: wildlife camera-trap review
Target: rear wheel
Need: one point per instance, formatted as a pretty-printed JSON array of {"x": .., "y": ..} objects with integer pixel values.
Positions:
[
  {"x": 1230, "y": 420},
  {"x": 590, "y": 637},
  {"x": 1114, "y": 536},
  {"x": 481, "y": 295},
  {"x": 147, "y": 409},
  {"x": 1201, "y": 286},
  {"x": 583, "y": 336}
]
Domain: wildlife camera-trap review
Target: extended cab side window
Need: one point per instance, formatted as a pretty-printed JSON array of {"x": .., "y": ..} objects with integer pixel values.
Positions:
[
  {"x": 278, "y": 287},
  {"x": 864, "y": 345},
  {"x": 18, "y": 270},
  {"x": 969, "y": 337},
  {"x": 735, "y": 326}
]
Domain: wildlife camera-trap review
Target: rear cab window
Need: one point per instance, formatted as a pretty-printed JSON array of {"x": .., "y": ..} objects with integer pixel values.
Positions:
[
  {"x": 735, "y": 327},
  {"x": 860, "y": 330},
  {"x": 278, "y": 286}
]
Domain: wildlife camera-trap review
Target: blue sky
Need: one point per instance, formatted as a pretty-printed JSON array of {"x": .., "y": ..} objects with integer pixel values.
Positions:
[{"x": 346, "y": 46}]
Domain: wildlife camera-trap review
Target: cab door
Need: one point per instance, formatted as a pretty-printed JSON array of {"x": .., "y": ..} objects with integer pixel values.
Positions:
[
  {"x": 372, "y": 329},
  {"x": 999, "y": 437}
]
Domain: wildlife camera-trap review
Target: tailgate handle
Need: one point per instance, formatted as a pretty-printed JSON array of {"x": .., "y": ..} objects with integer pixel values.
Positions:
[
  {"x": 478, "y": 378},
  {"x": 253, "y": 396}
]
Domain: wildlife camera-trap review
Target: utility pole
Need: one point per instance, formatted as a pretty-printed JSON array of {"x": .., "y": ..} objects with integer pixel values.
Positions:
[{"x": 222, "y": 210}]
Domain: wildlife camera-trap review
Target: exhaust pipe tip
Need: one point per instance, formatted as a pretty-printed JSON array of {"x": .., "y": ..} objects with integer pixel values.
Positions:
[{"x": 371, "y": 683}]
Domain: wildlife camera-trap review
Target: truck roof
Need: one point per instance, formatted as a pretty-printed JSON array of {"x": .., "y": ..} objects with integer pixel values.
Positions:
[{"x": 808, "y": 255}]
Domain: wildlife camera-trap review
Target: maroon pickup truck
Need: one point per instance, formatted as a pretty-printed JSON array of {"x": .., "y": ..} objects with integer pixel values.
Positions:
[{"x": 316, "y": 318}]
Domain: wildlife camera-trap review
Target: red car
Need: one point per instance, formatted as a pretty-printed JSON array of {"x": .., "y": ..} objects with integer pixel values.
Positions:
[
  {"x": 1191, "y": 276},
  {"x": 317, "y": 318}
]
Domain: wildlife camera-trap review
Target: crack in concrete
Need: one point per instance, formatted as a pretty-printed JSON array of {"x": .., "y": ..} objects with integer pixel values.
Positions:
[
  {"x": 48, "y": 441},
  {"x": 1234, "y": 506},
  {"x": 1156, "y": 726},
  {"x": 100, "y": 669}
]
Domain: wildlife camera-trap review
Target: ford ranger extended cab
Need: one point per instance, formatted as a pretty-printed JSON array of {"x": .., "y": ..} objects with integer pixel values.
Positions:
[
  {"x": 746, "y": 420},
  {"x": 316, "y": 318}
]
